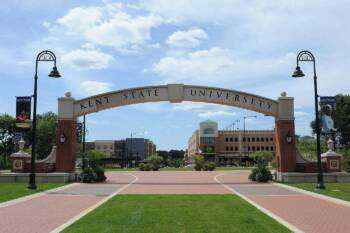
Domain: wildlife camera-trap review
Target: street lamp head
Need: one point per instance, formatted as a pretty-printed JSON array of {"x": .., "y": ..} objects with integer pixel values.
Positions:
[
  {"x": 54, "y": 73},
  {"x": 298, "y": 73}
]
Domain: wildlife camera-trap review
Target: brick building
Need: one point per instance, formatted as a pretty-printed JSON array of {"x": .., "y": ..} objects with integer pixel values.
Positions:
[
  {"x": 125, "y": 152},
  {"x": 228, "y": 146}
]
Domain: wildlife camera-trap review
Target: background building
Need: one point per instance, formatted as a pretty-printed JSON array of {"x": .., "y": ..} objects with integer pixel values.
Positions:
[
  {"x": 127, "y": 152},
  {"x": 228, "y": 146}
]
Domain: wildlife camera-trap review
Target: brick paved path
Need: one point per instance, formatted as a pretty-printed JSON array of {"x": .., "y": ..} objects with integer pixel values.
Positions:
[
  {"x": 175, "y": 182},
  {"x": 47, "y": 212},
  {"x": 303, "y": 211}
]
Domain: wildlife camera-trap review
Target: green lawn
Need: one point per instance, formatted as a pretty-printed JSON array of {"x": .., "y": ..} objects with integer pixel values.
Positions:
[
  {"x": 9, "y": 191},
  {"x": 337, "y": 190},
  {"x": 176, "y": 213}
]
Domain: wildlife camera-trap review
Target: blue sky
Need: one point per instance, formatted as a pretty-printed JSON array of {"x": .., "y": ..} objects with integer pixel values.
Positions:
[{"x": 110, "y": 45}]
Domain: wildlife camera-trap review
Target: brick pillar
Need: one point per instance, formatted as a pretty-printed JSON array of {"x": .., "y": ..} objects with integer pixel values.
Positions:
[
  {"x": 65, "y": 157},
  {"x": 285, "y": 135},
  {"x": 285, "y": 150},
  {"x": 66, "y": 128}
]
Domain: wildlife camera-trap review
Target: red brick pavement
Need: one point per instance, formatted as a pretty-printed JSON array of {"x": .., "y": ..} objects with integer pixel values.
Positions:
[
  {"x": 305, "y": 212},
  {"x": 46, "y": 212},
  {"x": 175, "y": 182}
]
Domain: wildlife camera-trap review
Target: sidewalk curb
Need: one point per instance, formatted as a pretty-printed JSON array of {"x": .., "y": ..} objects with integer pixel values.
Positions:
[
  {"x": 262, "y": 209},
  {"x": 316, "y": 195},
  {"x": 91, "y": 208}
]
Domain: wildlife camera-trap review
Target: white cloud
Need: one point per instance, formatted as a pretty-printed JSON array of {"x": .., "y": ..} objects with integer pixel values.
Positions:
[
  {"x": 219, "y": 113},
  {"x": 109, "y": 25},
  {"x": 78, "y": 20},
  {"x": 46, "y": 24},
  {"x": 205, "y": 110},
  {"x": 200, "y": 65},
  {"x": 194, "y": 10},
  {"x": 87, "y": 58},
  {"x": 191, "y": 38},
  {"x": 95, "y": 87}
]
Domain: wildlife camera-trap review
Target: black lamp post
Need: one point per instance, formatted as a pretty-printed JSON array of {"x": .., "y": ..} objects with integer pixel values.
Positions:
[
  {"x": 298, "y": 73},
  {"x": 84, "y": 146},
  {"x": 42, "y": 56}
]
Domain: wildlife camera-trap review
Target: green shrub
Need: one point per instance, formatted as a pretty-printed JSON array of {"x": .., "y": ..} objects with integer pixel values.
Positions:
[
  {"x": 260, "y": 173},
  {"x": 88, "y": 175},
  {"x": 100, "y": 174},
  {"x": 209, "y": 166},
  {"x": 198, "y": 162},
  {"x": 155, "y": 161},
  {"x": 142, "y": 166},
  {"x": 148, "y": 167},
  {"x": 91, "y": 175}
]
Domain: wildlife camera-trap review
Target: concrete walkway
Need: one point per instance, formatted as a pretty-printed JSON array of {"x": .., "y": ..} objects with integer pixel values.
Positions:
[
  {"x": 299, "y": 210},
  {"x": 50, "y": 210}
]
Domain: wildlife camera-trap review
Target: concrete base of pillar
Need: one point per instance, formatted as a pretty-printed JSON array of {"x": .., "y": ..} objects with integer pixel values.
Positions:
[
  {"x": 55, "y": 177},
  {"x": 298, "y": 177}
]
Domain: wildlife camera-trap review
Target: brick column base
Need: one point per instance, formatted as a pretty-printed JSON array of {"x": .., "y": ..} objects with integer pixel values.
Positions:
[
  {"x": 285, "y": 151},
  {"x": 65, "y": 156}
]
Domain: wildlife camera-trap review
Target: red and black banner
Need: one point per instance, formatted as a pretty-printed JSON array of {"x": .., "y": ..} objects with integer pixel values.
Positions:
[{"x": 23, "y": 112}]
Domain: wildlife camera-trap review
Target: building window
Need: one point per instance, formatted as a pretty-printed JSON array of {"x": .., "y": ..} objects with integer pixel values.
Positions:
[
  {"x": 208, "y": 131},
  {"x": 262, "y": 139},
  {"x": 226, "y": 148},
  {"x": 248, "y": 139},
  {"x": 236, "y": 148},
  {"x": 236, "y": 139},
  {"x": 257, "y": 139},
  {"x": 258, "y": 148},
  {"x": 243, "y": 139},
  {"x": 271, "y": 139},
  {"x": 231, "y": 139},
  {"x": 248, "y": 148},
  {"x": 231, "y": 148},
  {"x": 271, "y": 148},
  {"x": 267, "y": 139},
  {"x": 253, "y": 148},
  {"x": 253, "y": 139},
  {"x": 226, "y": 139},
  {"x": 267, "y": 148}
]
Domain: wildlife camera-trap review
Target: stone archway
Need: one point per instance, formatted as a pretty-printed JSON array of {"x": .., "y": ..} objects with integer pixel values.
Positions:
[{"x": 281, "y": 109}]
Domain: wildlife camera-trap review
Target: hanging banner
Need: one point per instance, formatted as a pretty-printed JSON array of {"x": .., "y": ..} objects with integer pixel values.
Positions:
[
  {"x": 23, "y": 106},
  {"x": 328, "y": 105}
]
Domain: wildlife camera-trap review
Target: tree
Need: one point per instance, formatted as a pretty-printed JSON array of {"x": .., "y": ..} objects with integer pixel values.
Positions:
[
  {"x": 342, "y": 118},
  {"x": 176, "y": 154},
  {"x": 46, "y": 134},
  {"x": 264, "y": 155},
  {"x": 198, "y": 162},
  {"x": 155, "y": 162},
  {"x": 95, "y": 158},
  {"x": 7, "y": 131}
]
